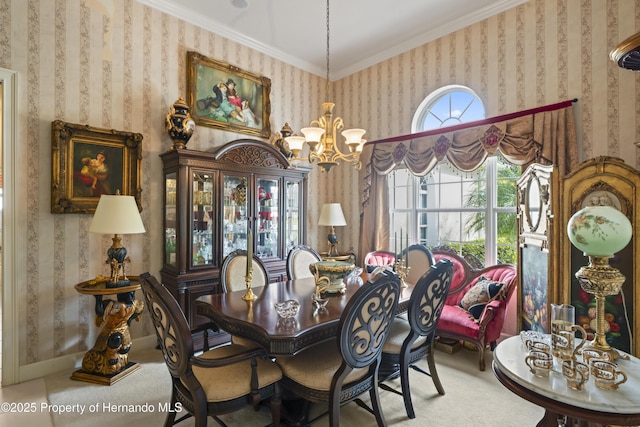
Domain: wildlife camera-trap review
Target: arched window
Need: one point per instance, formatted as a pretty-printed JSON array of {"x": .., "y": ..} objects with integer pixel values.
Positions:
[
  {"x": 472, "y": 212},
  {"x": 447, "y": 106}
]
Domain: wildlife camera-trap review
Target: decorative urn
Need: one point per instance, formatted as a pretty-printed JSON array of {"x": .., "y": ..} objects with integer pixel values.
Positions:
[
  {"x": 179, "y": 124},
  {"x": 335, "y": 271}
]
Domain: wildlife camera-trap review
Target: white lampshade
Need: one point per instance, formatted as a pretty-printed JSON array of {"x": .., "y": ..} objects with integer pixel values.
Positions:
[
  {"x": 331, "y": 214},
  {"x": 295, "y": 142},
  {"x": 353, "y": 136},
  {"x": 116, "y": 214},
  {"x": 312, "y": 134},
  {"x": 599, "y": 230}
]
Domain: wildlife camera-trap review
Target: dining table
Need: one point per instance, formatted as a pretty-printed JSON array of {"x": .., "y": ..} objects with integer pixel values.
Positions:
[{"x": 258, "y": 320}]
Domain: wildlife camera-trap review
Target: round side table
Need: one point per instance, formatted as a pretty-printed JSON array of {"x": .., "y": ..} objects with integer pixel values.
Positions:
[
  {"x": 108, "y": 361},
  {"x": 587, "y": 407}
]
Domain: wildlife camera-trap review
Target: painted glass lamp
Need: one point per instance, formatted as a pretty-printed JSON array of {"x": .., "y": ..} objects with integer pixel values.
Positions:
[{"x": 599, "y": 232}]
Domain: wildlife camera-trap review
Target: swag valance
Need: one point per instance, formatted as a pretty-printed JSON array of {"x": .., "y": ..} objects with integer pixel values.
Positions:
[
  {"x": 522, "y": 138},
  {"x": 543, "y": 135}
]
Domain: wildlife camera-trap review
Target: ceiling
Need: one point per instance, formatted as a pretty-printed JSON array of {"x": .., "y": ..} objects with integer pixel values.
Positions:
[{"x": 362, "y": 32}]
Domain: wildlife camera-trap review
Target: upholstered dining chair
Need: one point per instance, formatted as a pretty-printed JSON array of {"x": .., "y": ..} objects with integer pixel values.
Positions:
[
  {"x": 420, "y": 259},
  {"x": 377, "y": 258},
  {"x": 232, "y": 278},
  {"x": 215, "y": 382},
  {"x": 234, "y": 270},
  {"x": 337, "y": 371},
  {"x": 412, "y": 337},
  {"x": 298, "y": 260}
]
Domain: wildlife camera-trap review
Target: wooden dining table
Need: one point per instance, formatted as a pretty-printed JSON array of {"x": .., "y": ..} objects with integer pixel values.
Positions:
[{"x": 258, "y": 320}]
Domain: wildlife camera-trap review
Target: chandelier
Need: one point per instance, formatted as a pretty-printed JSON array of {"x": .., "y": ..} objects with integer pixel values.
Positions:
[{"x": 321, "y": 135}]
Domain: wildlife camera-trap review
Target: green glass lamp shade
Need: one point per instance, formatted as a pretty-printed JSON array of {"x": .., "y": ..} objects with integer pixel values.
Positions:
[{"x": 599, "y": 230}]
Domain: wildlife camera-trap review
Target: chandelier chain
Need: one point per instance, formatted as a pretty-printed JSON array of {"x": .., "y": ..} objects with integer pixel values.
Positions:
[
  {"x": 328, "y": 32},
  {"x": 322, "y": 133}
]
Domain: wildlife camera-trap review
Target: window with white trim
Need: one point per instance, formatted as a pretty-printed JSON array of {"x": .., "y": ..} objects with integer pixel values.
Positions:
[{"x": 472, "y": 212}]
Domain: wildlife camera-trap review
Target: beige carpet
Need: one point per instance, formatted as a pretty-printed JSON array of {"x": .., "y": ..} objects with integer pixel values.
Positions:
[{"x": 472, "y": 398}]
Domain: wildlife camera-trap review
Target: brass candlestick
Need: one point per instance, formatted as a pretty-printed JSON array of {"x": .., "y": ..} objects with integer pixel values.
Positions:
[
  {"x": 401, "y": 270},
  {"x": 249, "y": 295}
]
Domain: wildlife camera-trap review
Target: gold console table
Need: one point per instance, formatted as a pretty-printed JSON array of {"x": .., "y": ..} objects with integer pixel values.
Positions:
[{"x": 108, "y": 361}]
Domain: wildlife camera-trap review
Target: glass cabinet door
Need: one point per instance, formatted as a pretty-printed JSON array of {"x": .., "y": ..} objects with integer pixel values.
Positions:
[
  {"x": 235, "y": 206},
  {"x": 292, "y": 219},
  {"x": 267, "y": 225},
  {"x": 170, "y": 219},
  {"x": 202, "y": 251}
]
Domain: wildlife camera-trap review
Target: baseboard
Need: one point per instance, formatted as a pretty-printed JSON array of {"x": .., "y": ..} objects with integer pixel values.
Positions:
[{"x": 72, "y": 362}]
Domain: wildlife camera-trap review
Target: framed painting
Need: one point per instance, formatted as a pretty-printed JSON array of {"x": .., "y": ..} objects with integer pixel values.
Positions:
[
  {"x": 225, "y": 97},
  {"x": 88, "y": 162}
]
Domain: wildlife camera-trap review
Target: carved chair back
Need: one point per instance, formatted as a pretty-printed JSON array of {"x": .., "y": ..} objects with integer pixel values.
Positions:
[
  {"x": 170, "y": 324},
  {"x": 366, "y": 321}
]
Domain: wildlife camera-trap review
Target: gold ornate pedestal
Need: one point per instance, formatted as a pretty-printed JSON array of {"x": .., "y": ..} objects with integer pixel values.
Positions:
[{"x": 108, "y": 361}]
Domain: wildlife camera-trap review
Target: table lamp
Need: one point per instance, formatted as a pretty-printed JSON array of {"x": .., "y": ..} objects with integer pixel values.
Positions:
[
  {"x": 331, "y": 215},
  {"x": 599, "y": 232},
  {"x": 117, "y": 215}
]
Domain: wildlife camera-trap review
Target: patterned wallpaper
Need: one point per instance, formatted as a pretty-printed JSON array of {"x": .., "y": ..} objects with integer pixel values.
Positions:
[
  {"x": 113, "y": 64},
  {"x": 539, "y": 53},
  {"x": 119, "y": 64}
]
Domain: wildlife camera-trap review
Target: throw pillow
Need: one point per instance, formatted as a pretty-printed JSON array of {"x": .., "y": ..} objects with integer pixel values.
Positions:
[{"x": 482, "y": 293}]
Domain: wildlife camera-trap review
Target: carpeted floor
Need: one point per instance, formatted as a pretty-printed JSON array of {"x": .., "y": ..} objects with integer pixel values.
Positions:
[{"x": 472, "y": 398}]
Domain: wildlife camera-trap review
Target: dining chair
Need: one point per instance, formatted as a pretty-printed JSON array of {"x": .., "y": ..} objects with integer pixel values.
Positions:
[
  {"x": 412, "y": 337},
  {"x": 232, "y": 278},
  {"x": 420, "y": 259},
  {"x": 298, "y": 261},
  {"x": 218, "y": 381},
  {"x": 337, "y": 371},
  {"x": 378, "y": 258},
  {"x": 234, "y": 270}
]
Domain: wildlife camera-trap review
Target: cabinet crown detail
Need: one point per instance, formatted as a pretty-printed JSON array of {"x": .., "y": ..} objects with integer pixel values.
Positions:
[
  {"x": 252, "y": 153},
  {"x": 251, "y": 156}
]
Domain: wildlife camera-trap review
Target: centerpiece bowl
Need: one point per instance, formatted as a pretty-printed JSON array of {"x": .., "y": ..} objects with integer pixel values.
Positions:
[{"x": 335, "y": 271}]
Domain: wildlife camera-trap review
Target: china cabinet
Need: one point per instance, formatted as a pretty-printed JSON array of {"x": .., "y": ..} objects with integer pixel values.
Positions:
[{"x": 216, "y": 202}]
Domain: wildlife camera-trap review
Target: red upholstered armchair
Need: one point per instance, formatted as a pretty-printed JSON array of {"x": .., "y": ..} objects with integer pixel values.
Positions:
[
  {"x": 487, "y": 301},
  {"x": 377, "y": 258}
]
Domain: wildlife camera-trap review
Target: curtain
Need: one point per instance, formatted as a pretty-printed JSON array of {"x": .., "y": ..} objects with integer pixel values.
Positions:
[{"x": 544, "y": 135}]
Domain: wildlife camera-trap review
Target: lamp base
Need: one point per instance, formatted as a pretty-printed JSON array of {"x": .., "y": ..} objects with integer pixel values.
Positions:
[
  {"x": 613, "y": 352},
  {"x": 601, "y": 280},
  {"x": 333, "y": 242},
  {"x": 117, "y": 258}
]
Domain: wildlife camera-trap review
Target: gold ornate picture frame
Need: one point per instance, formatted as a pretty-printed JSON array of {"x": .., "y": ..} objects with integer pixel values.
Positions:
[
  {"x": 226, "y": 97},
  {"x": 88, "y": 162}
]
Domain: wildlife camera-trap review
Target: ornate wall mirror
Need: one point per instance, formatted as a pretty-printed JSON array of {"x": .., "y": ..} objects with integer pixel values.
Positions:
[
  {"x": 537, "y": 195},
  {"x": 533, "y": 202}
]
